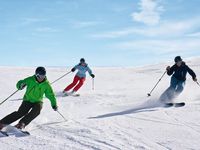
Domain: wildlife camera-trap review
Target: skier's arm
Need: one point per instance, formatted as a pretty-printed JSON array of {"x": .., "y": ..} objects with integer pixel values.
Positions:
[
  {"x": 170, "y": 70},
  {"x": 21, "y": 84},
  {"x": 51, "y": 96},
  {"x": 74, "y": 68},
  {"x": 191, "y": 72},
  {"x": 90, "y": 72}
]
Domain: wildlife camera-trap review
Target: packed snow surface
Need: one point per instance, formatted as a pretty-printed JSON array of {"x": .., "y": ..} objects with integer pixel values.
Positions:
[{"x": 116, "y": 115}]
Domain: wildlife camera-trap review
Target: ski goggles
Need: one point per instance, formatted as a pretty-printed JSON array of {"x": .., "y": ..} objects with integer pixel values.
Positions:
[{"x": 40, "y": 76}]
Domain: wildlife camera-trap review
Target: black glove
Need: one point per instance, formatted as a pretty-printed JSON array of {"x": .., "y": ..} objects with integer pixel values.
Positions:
[
  {"x": 55, "y": 108},
  {"x": 73, "y": 69},
  {"x": 195, "y": 79},
  {"x": 22, "y": 86},
  {"x": 92, "y": 75},
  {"x": 168, "y": 68}
]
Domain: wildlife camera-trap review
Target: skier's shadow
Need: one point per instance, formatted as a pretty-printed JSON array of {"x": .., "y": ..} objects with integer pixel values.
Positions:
[{"x": 145, "y": 107}]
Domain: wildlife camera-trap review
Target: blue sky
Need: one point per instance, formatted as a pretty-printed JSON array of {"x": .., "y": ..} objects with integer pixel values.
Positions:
[{"x": 104, "y": 32}]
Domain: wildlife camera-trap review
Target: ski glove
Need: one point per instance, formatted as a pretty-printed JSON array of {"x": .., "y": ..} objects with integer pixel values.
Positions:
[
  {"x": 195, "y": 79},
  {"x": 92, "y": 75},
  {"x": 73, "y": 69},
  {"x": 168, "y": 68},
  {"x": 55, "y": 108},
  {"x": 22, "y": 86}
]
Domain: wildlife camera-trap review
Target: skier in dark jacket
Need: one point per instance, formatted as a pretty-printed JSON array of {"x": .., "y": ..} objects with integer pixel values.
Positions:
[
  {"x": 36, "y": 86},
  {"x": 178, "y": 71}
]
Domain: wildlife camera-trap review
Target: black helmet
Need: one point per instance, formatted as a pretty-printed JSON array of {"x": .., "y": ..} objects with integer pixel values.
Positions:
[
  {"x": 177, "y": 59},
  {"x": 40, "y": 71},
  {"x": 82, "y": 60}
]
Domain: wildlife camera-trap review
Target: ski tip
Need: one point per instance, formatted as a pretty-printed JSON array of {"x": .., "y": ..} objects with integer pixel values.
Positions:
[
  {"x": 26, "y": 132},
  {"x": 181, "y": 104},
  {"x": 4, "y": 133}
]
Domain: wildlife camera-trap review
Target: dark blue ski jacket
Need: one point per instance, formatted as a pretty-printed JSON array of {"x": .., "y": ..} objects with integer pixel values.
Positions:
[{"x": 180, "y": 72}]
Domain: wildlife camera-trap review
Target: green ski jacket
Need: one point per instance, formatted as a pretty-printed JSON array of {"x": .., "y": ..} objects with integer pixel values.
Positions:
[{"x": 35, "y": 90}]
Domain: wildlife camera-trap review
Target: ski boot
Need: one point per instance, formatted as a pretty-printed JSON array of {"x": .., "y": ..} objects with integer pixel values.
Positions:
[
  {"x": 20, "y": 125},
  {"x": 2, "y": 126}
]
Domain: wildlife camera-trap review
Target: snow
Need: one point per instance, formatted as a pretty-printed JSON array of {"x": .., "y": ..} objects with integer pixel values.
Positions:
[{"x": 116, "y": 115}]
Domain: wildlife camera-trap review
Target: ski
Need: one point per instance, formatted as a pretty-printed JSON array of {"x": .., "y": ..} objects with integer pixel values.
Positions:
[
  {"x": 18, "y": 132},
  {"x": 74, "y": 95},
  {"x": 4, "y": 133},
  {"x": 181, "y": 104},
  {"x": 25, "y": 133}
]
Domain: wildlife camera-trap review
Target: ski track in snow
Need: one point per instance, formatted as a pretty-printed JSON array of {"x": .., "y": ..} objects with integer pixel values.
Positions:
[{"x": 117, "y": 115}]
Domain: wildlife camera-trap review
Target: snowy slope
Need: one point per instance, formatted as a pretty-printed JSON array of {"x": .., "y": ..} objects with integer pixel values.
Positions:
[{"x": 117, "y": 115}]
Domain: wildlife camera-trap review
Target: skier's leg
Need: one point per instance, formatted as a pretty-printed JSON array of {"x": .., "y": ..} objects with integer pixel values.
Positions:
[
  {"x": 35, "y": 111},
  {"x": 79, "y": 85},
  {"x": 69, "y": 87},
  {"x": 168, "y": 94},
  {"x": 165, "y": 95},
  {"x": 23, "y": 110},
  {"x": 180, "y": 87},
  {"x": 172, "y": 92}
]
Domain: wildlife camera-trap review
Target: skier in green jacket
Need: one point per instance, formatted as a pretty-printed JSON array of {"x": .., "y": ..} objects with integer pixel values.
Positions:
[{"x": 36, "y": 86}]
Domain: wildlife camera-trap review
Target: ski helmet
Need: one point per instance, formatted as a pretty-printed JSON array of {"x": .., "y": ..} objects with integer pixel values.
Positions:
[
  {"x": 177, "y": 59},
  {"x": 41, "y": 71},
  {"x": 82, "y": 60}
]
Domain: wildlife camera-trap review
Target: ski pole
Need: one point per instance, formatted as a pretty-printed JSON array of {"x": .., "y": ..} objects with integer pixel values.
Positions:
[
  {"x": 61, "y": 115},
  {"x": 92, "y": 83},
  {"x": 9, "y": 97},
  {"x": 197, "y": 83},
  {"x": 61, "y": 77},
  {"x": 149, "y": 94}
]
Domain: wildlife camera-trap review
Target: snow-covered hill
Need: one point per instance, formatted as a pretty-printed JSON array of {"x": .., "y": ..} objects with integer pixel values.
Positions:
[{"x": 117, "y": 115}]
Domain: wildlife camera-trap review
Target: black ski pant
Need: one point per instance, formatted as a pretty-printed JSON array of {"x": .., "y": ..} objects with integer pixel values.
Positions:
[{"x": 27, "y": 112}]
